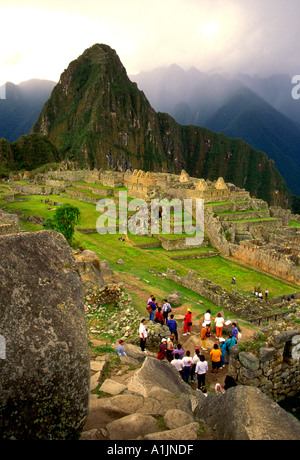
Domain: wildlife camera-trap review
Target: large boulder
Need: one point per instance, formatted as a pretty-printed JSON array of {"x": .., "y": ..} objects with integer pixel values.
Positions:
[
  {"x": 247, "y": 414},
  {"x": 44, "y": 378},
  {"x": 166, "y": 377}
]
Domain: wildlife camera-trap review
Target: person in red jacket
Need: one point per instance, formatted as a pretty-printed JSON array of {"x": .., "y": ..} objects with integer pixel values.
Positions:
[{"x": 187, "y": 322}]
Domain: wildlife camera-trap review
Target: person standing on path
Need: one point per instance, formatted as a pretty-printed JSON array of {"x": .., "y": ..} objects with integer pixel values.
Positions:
[
  {"x": 186, "y": 362},
  {"x": 166, "y": 308},
  {"x": 170, "y": 348},
  {"x": 235, "y": 331},
  {"x": 215, "y": 358},
  {"x": 177, "y": 363},
  {"x": 162, "y": 349},
  {"x": 207, "y": 319},
  {"x": 143, "y": 334},
  {"x": 180, "y": 350},
  {"x": 187, "y": 322},
  {"x": 222, "y": 345},
  {"x": 219, "y": 325},
  {"x": 195, "y": 359},
  {"x": 203, "y": 336},
  {"x": 172, "y": 325},
  {"x": 201, "y": 370},
  {"x": 152, "y": 305},
  {"x": 230, "y": 342}
]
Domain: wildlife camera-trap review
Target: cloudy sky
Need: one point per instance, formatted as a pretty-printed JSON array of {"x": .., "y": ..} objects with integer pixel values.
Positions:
[{"x": 39, "y": 37}]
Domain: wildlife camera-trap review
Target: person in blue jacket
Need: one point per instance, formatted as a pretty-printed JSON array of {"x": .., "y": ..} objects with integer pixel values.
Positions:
[
  {"x": 222, "y": 345},
  {"x": 172, "y": 325},
  {"x": 230, "y": 342}
]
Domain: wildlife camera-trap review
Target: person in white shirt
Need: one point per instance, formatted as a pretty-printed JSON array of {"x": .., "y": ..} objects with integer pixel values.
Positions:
[
  {"x": 177, "y": 363},
  {"x": 195, "y": 359},
  {"x": 207, "y": 318},
  {"x": 143, "y": 334},
  {"x": 166, "y": 308},
  {"x": 187, "y": 362},
  {"x": 219, "y": 325},
  {"x": 201, "y": 370}
]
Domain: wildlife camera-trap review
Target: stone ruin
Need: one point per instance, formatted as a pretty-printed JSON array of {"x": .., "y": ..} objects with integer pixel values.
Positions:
[{"x": 274, "y": 369}]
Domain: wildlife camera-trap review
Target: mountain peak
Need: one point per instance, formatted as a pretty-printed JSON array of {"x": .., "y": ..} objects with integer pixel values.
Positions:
[{"x": 99, "y": 118}]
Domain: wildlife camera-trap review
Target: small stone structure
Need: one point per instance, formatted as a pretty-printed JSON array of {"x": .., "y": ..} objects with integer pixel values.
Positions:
[
  {"x": 9, "y": 223},
  {"x": 275, "y": 370}
]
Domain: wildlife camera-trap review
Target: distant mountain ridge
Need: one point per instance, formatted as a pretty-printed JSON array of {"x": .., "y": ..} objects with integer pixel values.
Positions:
[
  {"x": 99, "y": 118},
  {"x": 21, "y": 107},
  {"x": 249, "y": 108}
]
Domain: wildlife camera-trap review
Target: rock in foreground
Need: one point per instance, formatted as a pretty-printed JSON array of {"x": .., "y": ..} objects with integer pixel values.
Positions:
[{"x": 44, "y": 378}]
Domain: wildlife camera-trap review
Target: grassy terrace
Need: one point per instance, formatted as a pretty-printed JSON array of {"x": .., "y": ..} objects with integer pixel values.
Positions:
[
  {"x": 256, "y": 219},
  {"x": 142, "y": 266}
]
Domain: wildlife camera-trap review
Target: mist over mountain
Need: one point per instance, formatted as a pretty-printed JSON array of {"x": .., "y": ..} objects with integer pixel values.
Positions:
[
  {"x": 260, "y": 111},
  {"x": 99, "y": 118},
  {"x": 21, "y": 107}
]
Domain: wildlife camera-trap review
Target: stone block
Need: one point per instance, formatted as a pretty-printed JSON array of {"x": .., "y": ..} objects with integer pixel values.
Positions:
[{"x": 249, "y": 361}]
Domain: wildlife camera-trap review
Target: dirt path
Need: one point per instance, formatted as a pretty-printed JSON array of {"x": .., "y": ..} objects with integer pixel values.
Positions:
[{"x": 133, "y": 285}]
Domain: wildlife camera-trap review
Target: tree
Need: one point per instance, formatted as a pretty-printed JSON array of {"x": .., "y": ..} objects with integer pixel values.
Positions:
[{"x": 64, "y": 221}]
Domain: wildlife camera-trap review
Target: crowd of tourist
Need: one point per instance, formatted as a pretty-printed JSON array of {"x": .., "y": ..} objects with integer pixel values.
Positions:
[{"x": 191, "y": 367}]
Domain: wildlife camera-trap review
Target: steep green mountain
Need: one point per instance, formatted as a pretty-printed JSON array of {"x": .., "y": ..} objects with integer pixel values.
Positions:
[
  {"x": 27, "y": 153},
  {"x": 21, "y": 107},
  {"x": 98, "y": 117}
]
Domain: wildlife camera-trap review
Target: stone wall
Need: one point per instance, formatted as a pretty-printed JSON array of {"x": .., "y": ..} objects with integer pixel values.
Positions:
[
  {"x": 275, "y": 370},
  {"x": 233, "y": 302},
  {"x": 9, "y": 223},
  {"x": 36, "y": 189},
  {"x": 180, "y": 243},
  {"x": 271, "y": 259}
]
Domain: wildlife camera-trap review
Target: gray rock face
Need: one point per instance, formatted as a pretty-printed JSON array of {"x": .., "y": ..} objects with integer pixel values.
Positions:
[
  {"x": 247, "y": 414},
  {"x": 166, "y": 377},
  {"x": 44, "y": 378}
]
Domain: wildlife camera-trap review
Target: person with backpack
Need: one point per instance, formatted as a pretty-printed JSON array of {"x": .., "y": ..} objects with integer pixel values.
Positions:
[
  {"x": 172, "y": 325},
  {"x": 159, "y": 317},
  {"x": 151, "y": 307},
  {"x": 203, "y": 336}
]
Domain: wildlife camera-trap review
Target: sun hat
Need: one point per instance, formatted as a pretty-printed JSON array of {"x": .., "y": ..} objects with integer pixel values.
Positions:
[{"x": 163, "y": 340}]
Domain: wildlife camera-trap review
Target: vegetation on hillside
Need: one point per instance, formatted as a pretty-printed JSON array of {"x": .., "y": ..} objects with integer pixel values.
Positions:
[{"x": 99, "y": 118}]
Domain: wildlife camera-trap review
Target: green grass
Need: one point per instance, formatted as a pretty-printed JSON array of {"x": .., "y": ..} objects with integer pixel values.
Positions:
[
  {"x": 139, "y": 263},
  {"x": 294, "y": 223},
  {"x": 256, "y": 219},
  {"x": 221, "y": 271}
]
